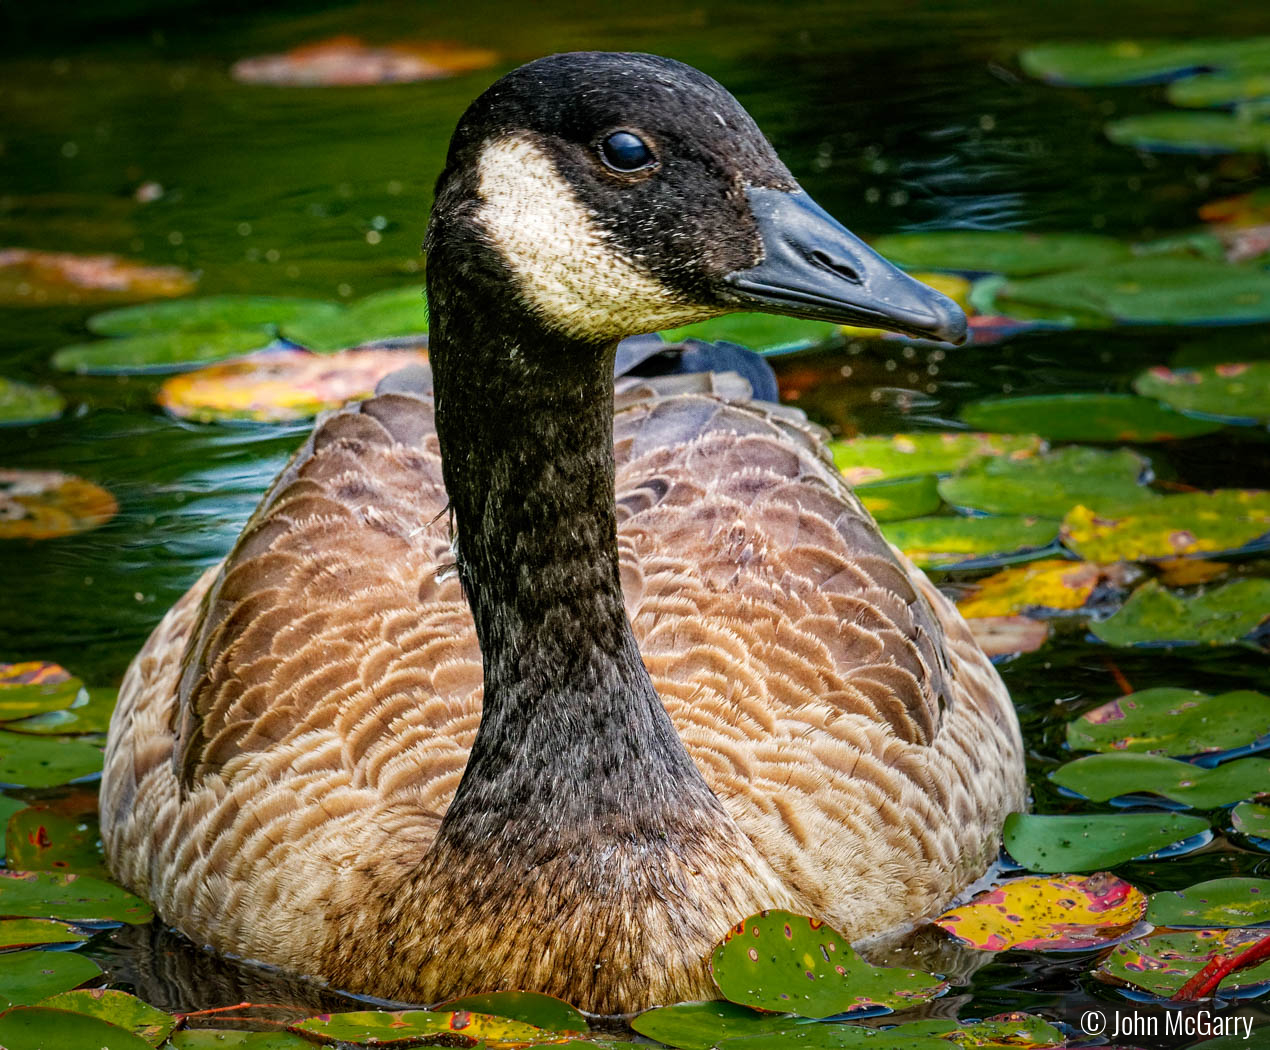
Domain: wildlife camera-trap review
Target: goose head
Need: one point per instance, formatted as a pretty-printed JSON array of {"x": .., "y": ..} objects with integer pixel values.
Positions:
[{"x": 615, "y": 194}]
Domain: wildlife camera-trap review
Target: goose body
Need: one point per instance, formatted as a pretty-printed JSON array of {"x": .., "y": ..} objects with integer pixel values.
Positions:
[{"x": 660, "y": 673}]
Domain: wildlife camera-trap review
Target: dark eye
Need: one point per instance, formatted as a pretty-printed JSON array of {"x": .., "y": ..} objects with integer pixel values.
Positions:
[{"x": 623, "y": 151}]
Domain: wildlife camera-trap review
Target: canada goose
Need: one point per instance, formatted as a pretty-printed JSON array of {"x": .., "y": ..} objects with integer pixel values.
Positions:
[{"x": 721, "y": 694}]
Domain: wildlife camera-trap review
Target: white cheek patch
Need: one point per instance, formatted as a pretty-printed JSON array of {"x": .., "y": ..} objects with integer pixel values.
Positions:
[{"x": 566, "y": 267}]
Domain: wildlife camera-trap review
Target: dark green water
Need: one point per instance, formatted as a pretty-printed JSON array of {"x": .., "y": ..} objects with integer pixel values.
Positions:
[{"x": 895, "y": 115}]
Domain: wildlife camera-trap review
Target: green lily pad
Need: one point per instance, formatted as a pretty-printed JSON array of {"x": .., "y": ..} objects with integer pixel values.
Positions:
[
  {"x": 90, "y": 713},
  {"x": 1168, "y": 527},
  {"x": 1163, "y": 962},
  {"x": 225, "y": 1039},
  {"x": 40, "y": 838},
  {"x": 1232, "y": 393},
  {"x": 533, "y": 1008},
  {"x": 1251, "y": 819},
  {"x": 407, "y": 1027},
  {"x": 24, "y": 933},
  {"x": 53, "y": 895},
  {"x": 1154, "y": 615},
  {"x": 29, "y": 976},
  {"x": 1051, "y": 844},
  {"x": 865, "y": 460},
  {"x": 384, "y": 315},
  {"x": 45, "y": 762},
  {"x": 1169, "y": 132},
  {"x": 212, "y": 311},
  {"x": 1167, "y": 721},
  {"x": 942, "y": 542},
  {"x": 1102, "y": 63},
  {"x": 700, "y": 1026},
  {"x": 1085, "y": 417},
  {"x": 1016, "y": 253},
  {"x": 762, "y": 332},
  {"x": 8, "y": 807},
  {"x": 1049, "y": 485},
  {"x": 34, "y": 687},
  {"x": 22, "y": 404},
  {"x": 160, "y": 352},
  {"x": 1216, "y": 903},
  {"x": 117, "y": 1008},
  {"x": 1102, "y": 777},
  {"x": 1197, "y": 244},
  {"x": 900, "y": 498},
  {"x": 780, "y": 961},
  {"x": 1220, "y": 89},
  {"x": 39, "y": 1028},
  {"x": 1006, "y": 1030}
]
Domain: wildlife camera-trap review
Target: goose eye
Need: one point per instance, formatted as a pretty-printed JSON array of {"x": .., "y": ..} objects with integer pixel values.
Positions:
[{"x": 623, "y": 151}]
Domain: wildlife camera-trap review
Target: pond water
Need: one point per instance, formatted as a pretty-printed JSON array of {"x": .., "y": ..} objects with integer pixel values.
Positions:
[{"x": 895, "y": 116}]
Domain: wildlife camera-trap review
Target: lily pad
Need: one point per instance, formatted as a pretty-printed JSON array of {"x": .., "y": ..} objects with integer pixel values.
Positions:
[
  {"x": 29, "y": 976},
  {"x": 225, "y": 1039},
  {"x": 1018, "y": 1030},
  {"x": 24, "y": 933},
  {"x": 765, "y": 333},
  {"x": 1102, "y": 777},
  {"x": 1162, "y": 963},
  {"x": 1050, "y": 484},
  {"x": 1006, "y": 635},
  {"x": 1059, "y": 913},
  {"x": 780, "y": 961},
  {"x": 1085, "y": 417},
  {"x": 406, "y": 1027},
  {"x": 210, "y": 312},
  {"x": 532, "y": 1008},
  {"x": 1220, "y": 89},
  {"x": 22, "y": 404},
  {"x": 1100, "y": 63},
  {"x": 1216, "y": 903},
  {"x": 942, "y": 542},
  {"x": 865, "y": 460},
  {"x": 701, "y": 1026},
  {"x": 1252, "y": 819},
  {"x": 1017, "y": 253},
  {"x": 33, "y": 687},
  {"x": 1233, "y": 393},
  {"x": 1174, "y": 526},
  {"x": 117, "y": 1008},
  {"x": 279, "y": 385},
  {"x": 46, "y": 504},
  {"x": 38, "y": 278},
  {"x": 1050, "y": 844},
  {"x": 1052, "y": 584},
  {"x": 1169, "y": 132},
  {"x": 40, "y": 838},
  {"x": 900, "y": 498},
  {"x": 343, "y": 61},
  {"x": 1156, "y": 616},
  {"x": 160, "y": 351},
  {"x": 39, "y": 1028},
  {"x": 89, "y": 713},
  {"x": 384, "y": 315},
  {"x": 53, "y": 895},
  {"x": 1167, "y": 721},
  {"x": 39, "y": 762}
]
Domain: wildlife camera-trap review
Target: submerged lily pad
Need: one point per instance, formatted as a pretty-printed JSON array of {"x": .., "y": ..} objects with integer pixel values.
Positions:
[
  {"x": 39, "y": 1028},
  {"x": 160, "y": 351},
  {"x": 40, "y": 762},
  {"x": 24, "y": 933},
  {"x": 1191, "y": 133},
  {"x": 942, "y": 542},
  {"x": 1085, "y": 417},
  {"x": 1167, "y": 721},
  {"x": 29, "y": 976},
  {"x": 40, "y": 838},
  {"x": 1229, "y": 392},
  {"x": 384, "y": 315},
  {"x": 1106, "y": 776},
  {"x": 1163, "y": 962},
  {"x": 1088, "y": 843},
  {"x": 342, "y": 61},
  {"x": 1049, "y": 584},
  {"x": 1216, "y": 903},
  {"x": 900, "y": 498},
  {"x": 38, "y": 278},
  {"x": 52, "y": 895},
  {"x": 1251, "y": 819},
  {"x": 780, "y": 961},
  {"x": 1156, "y": 616},
  {"x": 46, "y": 504},
  {"x": 22, "y": 404},
  {"x": 211, "y": 312},
  {"x": 766, "y": 333},
  {"x": 1015, "y": 253},
  {"x": 407, "y": 1027},
  {"x": 864, "y": 460},
  {"x": 33, "y": 687},
  {"x": 1106, "y": 62},
  {"x": 117, "y": 1008}
]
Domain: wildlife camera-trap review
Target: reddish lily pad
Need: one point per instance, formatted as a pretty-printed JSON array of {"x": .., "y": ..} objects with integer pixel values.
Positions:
[
  {"x": 1156, "y": 616},
  {"x": 1006, "y": 635},
  {"x": 385, "y": 315},
  {"x": 344, "y": 61},
  {"x": 46, "y": 504},
  {"x": 160, "y": 352},
  {"x": 1106, "y": 776},
  {"x": 280, "y": 385},
  {"x": 1161, "y": 963},
  {"x": 900, "y": 498},
  {"x": 1049, "y": 585},
  {"x": 1167, "y": 721},
  {"x": 117, "y": 1008},
  {"x": 407, "y": 1027},
  {"x": 39, "y": 1028},
  {"x": 22, "y": 404},
  {"x": 26, "y": 933},
  {"x": 33, "y": 687},
  {"x": 1013, "y": 252},
  {"x": 40, "y": 762},
  {"x": 1218, "y": 902},
  {"x": 29, "y": 976},
  {"x": 1251, "y": 819},
  {"x": 212, "y": 311},
  {"x": 89, "y": 713},
  {"x": 532, "y": 1008},
  {"x": 1229, "y": 392},
  {"x": 40, "y": 838},
  {"x": 944, "y": 542},
  {"x": 864, "y": 460},
  {"x": 38, "y": 278},
  {"x": 1051, "y": 844},
  {"x": 53, "y": 895},
  {"x": 1191, "y": 133},
  {"x": 1058, "y": 913},
  {"x": 1086, "y": 417},
  {"x": 780, "y": 961},
  {"x": 765, "y": 333}
]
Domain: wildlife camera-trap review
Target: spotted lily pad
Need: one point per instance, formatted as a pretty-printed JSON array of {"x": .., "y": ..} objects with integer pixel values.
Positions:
[
  {"x": 280, "y": 385},
  {"x": 900, "y": 498},
  {"x": 29, "y": 976},
  {"x": 1091, "y": 842},
  {"x": 942, "y": 542},
  {"x": 212, "y": 311},
  {"x": 39, "y": 1028},
  {"x": 1052, "y": 584},
  {"x": 117, "y": 1008},
  {"x": 1191, "y": 133},
  {"x": 1162, "y": 963},
  {"x": 532, "y": 1008},
  {"x": 1216, "y": 903},
  {"x": 41, "y": 838},
  {"x": 1168, "y": 721},
  {"x": 1106, "y": 776},
  {"x": 763, "y": 332},
  {"x": 38, "y": 278},
  {"x": 384, "y": 315},
  {"x": 24, "y": 933},
  {"x": 53, "y": 895},
  {"x": 40, "y": 762},
  {"x": 780, "y": 961},
  {"x": 46, "y": 504},
  {"x": 160, "y": 351},
  {"x": 1251, "y": 819},
  {"x": 865, "y": 460},
  {"x": 33, "y": 687},
  {"x": 1013, "y": 252},
  {"x": 1230, "y": 392},
  {"x": 89, "y": 713},
  {"x": 406, "y": 1027},
  {"x": 1059, "y": 913},
  {"x": 1105, "y": 62},
  {"x": 1085, "y": 417},
  {"x": 1050, "y": 484},
  {"x": 22, "y": 404},
  {"x": 343, "y": 61},
  {"x": 1154, "y": 615}
]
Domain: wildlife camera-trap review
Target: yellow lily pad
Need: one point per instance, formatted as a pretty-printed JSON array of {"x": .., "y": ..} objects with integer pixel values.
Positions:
[
  {"x": 46, "y": 504},
  {"x": 1051, "y": 583},
  {"x": 863, "y": 460},
  {"x": 942, "y": 542}
]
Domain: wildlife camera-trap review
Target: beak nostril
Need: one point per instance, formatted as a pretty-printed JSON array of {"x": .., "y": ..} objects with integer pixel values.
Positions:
[{"x": 842, "y": 269}]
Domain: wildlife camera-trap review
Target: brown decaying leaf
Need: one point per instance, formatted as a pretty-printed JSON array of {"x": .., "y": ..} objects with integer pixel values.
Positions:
[
  {"x": 45, "y": 504},
  {"x": 348, "y": 60},
  {"x": 39, "y": 278},
  {"x": 1003, "y": 635}
]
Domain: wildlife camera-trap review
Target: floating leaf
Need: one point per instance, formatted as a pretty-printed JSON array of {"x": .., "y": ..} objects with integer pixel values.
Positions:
[
  {"x": 343, "y": 61},
  {"x": 1251, "y": 819},
  {"x": 210, "y": 312},
  {"x": 39, "y": 762},
  {"x": 1230, "y": 392},
  {"x": 864, "y": 460},
  {"x": 23, "y": 933},
  {"x": 1006, "y": 635},
  {"x": 46, "y": 504},
  {"x": 1091, "y": 842},
  {"x": 32, "y": 687},
  {"x": 1085, "y": 417},
  {"x": 1169, "y": 526},
  {"x": 1220, "y": 89},
  {"x": 1013, "y": 252},
  {"x": 1105, "y": 62},
  {"x": 22, "y": 404},
  {"x": 8, "y": 807},
  {"x": 1218, "y": 902},
  {"x": 1162, "y": 963},
  {"x": 1002, "y": 1031},
  {"x": 1243, "y": 209},
  {"x": 900, "y": 498},
  {"x": 160, "y": 351},
  {"x": 36, "y": 278},
  {"x": 384, "y": 315},
  {"x": 1106, "y": 776},
  {"x": 1050, "y": 484},
  {"x": 1167, "y": 721},
  {"x": 53, "y": 895},
  {"x": 225, "y": 1039},
  {"x": 39, "y": 1028},
  {"x": 763, "y": 332},
  {"x": 701, "y": 1026},
  {"x": 1190, "y": 572},
  {"x": 1190, "y": 133},
  {"x": 942, "y": 542},
  {"x": 533, "y": 1008},
  {"x": 1049, "y": 584},
  {"x": 281, "y": 384},
  {"x": 40, "y": 838},
  {"x": 1156, "y": 616},
  {"x": 1059, "y": 913},
  {"x": 117, "y": 1008},
  {"x": 780, "y": 961},
  {"x": 28, "y": 976},
  {"x": 89, "y": 713},
  {"x": 406, "y": 1027}
]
